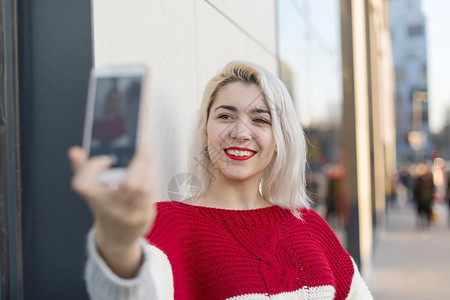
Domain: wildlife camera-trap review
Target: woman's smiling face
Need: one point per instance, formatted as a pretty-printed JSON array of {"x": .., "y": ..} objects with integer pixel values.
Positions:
[{"x": 239, "y": 132}]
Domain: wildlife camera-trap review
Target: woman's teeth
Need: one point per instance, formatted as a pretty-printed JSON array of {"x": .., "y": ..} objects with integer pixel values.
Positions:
[{"x": 239, "y": 152}]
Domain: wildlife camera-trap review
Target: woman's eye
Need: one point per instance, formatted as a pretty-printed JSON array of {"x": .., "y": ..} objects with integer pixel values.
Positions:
[
  {"x": 225, "y": 117},
  {"x": 261, "y": 121}
]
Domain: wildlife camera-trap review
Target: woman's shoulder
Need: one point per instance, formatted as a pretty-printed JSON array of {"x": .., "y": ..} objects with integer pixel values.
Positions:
[
  {"x": 316, "y": 226},
  {"x": 170, "y": 217},
  {"x": 173, "y": 208},
  {"x": 308, "y": 216}
]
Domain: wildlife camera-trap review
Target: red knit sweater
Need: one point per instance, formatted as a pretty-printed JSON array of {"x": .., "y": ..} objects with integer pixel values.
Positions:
[{"x": 219, "y": 253}]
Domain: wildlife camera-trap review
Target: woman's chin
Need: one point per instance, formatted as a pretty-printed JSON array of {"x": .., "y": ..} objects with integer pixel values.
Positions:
[{"x": 236, "y": 176}]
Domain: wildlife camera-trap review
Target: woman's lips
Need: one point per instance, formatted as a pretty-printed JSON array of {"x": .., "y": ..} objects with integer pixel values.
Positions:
[{"x": 237, "y": 153}]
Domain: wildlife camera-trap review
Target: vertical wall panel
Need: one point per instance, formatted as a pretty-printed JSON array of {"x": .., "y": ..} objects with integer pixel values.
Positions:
[
  {"x": 10, "y": 203},
  {"x": 54, "y": 63},
  {"x": 356, "y": 127}
]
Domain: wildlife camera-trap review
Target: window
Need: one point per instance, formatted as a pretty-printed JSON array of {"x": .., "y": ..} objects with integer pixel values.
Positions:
[{"x": 415, "y": 30}]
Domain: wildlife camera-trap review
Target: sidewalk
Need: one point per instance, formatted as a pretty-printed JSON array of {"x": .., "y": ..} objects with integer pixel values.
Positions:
[{"x": 411, "y": 263}]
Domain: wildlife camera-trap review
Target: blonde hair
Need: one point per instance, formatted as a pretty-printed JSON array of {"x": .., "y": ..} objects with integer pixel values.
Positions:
[{"x": 283, "y": 182}]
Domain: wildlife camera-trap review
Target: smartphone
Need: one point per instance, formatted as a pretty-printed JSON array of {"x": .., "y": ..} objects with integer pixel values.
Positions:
[{"x": 115, "y": 116}]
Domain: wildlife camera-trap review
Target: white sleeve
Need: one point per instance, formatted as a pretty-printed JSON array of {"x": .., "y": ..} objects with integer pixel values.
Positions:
[
  {"x": 358, "y": 289},
  {"x": 153, "y": 281}
]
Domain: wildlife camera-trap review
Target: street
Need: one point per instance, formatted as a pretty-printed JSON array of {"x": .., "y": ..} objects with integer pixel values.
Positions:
[{"x": 410, "y": 262}]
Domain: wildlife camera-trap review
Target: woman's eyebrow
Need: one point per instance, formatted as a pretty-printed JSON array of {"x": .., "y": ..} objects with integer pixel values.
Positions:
[
  {"x": 228, "y": 107},
  {"x": 253, "y": 111},
  {"x": 259, "y": 111}
]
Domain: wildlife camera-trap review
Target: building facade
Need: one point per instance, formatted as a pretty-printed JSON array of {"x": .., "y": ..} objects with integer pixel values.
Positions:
[{"x": 409, "y": 44}]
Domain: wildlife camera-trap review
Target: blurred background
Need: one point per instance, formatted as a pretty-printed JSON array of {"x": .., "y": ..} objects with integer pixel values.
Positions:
[
  {"x": 369, "y": 80},
  {"x": 407, "y": 122}
]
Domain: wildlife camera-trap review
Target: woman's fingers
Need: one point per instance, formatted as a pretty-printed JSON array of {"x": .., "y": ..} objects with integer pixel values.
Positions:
[
  {"x": 77, "y": 156},
  {"x": 138, "y": 178},
  {"x": 140, "y": 170},
  {"x": 86, "y": 181},
  {"x": 136, "y": 190},
  {"x": 127, "y": 207}
]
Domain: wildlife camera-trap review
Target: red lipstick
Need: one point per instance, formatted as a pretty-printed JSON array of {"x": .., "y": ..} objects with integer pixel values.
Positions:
[{"x": 235, "y": 157}]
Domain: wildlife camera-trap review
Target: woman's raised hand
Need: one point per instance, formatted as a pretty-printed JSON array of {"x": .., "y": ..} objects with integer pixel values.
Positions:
[{"x": 122, "y": 213}]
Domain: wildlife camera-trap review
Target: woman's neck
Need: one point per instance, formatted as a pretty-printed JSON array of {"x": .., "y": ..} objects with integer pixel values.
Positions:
[{"x": 232, "y": 194}]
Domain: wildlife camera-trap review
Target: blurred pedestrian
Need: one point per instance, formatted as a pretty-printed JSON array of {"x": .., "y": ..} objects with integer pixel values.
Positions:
[
  {"x": 406, "y": 180},
  {"x": 423, "y": 195},
  {"x": 333, "y": 196}
]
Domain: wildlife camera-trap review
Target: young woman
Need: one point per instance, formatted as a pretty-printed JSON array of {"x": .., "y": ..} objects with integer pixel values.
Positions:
[{"x": 248, "y": 234}]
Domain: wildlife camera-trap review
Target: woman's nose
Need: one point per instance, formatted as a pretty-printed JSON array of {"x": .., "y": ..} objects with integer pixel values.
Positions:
[{"x": 241, "y": 131}]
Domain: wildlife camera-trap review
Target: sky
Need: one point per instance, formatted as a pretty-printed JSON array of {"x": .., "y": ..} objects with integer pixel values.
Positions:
[{"x": 310, "y": 43}]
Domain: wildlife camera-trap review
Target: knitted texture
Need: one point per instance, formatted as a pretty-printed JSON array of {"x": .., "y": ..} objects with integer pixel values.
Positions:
[
  {"x": 219, "y": 253},
  {"x": 154, "y": 280}
]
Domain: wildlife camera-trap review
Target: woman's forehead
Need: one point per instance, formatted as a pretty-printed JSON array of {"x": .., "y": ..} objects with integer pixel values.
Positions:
[{"x": 242, "y": 96}]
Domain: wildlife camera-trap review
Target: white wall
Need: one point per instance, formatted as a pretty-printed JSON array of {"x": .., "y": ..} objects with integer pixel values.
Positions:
[{"x": 185, "y": 43}]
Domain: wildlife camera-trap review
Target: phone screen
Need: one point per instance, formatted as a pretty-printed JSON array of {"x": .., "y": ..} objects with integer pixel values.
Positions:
[{"x": 115, "y": 118}]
